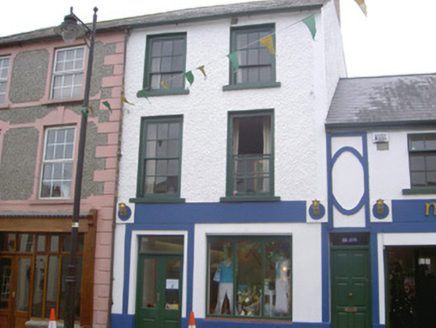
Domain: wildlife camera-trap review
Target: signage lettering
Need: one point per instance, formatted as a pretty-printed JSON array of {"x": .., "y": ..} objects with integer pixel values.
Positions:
[{"x": 427, "y": 208}]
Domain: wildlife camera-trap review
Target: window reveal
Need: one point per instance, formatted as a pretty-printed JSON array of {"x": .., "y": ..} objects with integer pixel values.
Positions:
[
  {"x": 250, "y": 277},
  {"x": 4, "y": 71},
  {"x": 68, "y": 73},
  {"x": 422, "y": 159},
  {"x": 251, "y": 154},
  {"x": 161, "y": 157},
  {"x": 57, "y": 168}
]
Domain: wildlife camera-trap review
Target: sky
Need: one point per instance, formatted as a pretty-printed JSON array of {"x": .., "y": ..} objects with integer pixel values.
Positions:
[{"x": 396, "y": 37}]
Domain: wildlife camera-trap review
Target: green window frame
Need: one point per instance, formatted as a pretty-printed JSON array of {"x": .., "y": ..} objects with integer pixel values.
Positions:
[
  {"x": 165, "y": 60},
  {"x": 249, "y": 277},
  {"x": 257, "y": 66},
  {"x": 422, "y": 163},
  {"x": 160, "y": 155},
  {"x": 250, "y": 156}
]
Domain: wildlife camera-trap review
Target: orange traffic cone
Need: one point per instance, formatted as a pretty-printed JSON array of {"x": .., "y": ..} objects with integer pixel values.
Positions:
[
  {"x": 52, "y": 322},
  {"x": 192, "y": 321}
]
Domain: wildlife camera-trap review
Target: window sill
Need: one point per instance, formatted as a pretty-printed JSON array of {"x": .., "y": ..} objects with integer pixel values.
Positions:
[
  {"x": 54, "y": 201},
  {"x": 251, "y": 86},
  {"x": 241, "y": 199},
  {"x": 4, "y": 106},
  {"x": 158, "y": 200},
  {"x": 63, "y": 101},
  {"x": 158, "y": 93},
  {"x": 419, "y": 191}
]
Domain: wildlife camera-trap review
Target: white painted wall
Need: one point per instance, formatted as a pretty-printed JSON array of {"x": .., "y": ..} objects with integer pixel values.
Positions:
[{"x": 300, "y": 104}]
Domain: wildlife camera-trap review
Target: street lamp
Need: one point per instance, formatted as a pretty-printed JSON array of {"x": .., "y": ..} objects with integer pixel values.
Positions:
[{"x": 70, "y": 29}]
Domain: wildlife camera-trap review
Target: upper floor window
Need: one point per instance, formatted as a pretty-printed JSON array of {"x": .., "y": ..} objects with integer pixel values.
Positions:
[
  {"x": 160, "y": 158},
  {"x": 165, "y": 63},
  {"x": 422, "y": 158},
  {"x": 256, "y": 63},
  {"x": 250, "y": 164},
  {"x": 4, "y": 71},
  {"x": 68, "y": 73},
  {"x": 57, "y": 166}
]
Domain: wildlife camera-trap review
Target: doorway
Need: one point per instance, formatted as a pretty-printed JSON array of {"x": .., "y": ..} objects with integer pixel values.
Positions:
[
  {"x": 15, "y": 274},
  {"x": 159, "y": 282},
  {"x": 411, "y": 286},
  {"x": 350, "y": 280}
]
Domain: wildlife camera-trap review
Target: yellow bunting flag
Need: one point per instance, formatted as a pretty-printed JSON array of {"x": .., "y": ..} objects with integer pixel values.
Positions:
[
  {"x": 201, "y": 68},
  {"x": 268, "y": 42},
  {"x": 91, "y": 109},
  {"x": 362, "y": 6},
  {"x": 164, "y": 84},
  {"x": 123, "y": 99}
]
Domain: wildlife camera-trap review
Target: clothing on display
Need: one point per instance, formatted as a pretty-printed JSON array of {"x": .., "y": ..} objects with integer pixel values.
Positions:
[
  {"x": 282, "y": 286},
  {"x": 225, "y": 287}
]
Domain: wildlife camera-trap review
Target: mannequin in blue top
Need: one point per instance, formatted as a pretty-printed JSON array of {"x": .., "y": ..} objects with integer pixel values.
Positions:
[{"x": 225, "y": 286}]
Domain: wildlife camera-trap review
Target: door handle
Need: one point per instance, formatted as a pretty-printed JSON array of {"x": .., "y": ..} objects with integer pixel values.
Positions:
[{"x": 350, "y": 294}]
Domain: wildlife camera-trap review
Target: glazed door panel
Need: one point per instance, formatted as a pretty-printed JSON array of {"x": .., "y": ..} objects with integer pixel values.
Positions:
[
  {"x": 15, "y": 273},
  {"x": 159, "y": 283}
]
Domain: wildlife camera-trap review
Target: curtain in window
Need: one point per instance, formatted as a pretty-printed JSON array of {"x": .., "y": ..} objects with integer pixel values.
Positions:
[{"x": 266, "y": 151}]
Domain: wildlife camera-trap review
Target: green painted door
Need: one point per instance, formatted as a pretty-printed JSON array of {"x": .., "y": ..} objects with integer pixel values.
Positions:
[
  {"x": 159, "y": 289},
  {"x": 351, "y": 288}
]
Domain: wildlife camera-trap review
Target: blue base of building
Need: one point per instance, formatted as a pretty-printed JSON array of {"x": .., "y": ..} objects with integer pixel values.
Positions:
[{"x": 128, "y": 321}]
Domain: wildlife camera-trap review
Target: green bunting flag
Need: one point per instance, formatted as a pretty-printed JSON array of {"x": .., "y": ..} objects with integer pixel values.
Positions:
[
  {"x": 189, "y": 76},
  {"x": 235, "y": 62},
  {"x": 201, "y": 68},
  {"x": 268, "y": 42},
  {"x": 310, "y": 23},
  {"x": 106, "y": 103}
]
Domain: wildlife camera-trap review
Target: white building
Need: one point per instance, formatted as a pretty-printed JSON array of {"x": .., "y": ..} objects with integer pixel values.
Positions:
[{"x": 227, "y": 174}]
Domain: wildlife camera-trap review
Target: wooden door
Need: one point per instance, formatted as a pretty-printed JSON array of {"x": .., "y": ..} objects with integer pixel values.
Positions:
[
  {"x": 351, "y": 288},
  {"x": 15, "y": 282},
  {"x": 159, "y": 289}
]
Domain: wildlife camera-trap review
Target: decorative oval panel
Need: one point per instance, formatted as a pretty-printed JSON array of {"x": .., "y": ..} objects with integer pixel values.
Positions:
[{"x": 348, "y": 180}]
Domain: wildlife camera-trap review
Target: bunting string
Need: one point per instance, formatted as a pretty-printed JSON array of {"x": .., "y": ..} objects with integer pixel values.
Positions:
[{"x": 267, "y": 41}]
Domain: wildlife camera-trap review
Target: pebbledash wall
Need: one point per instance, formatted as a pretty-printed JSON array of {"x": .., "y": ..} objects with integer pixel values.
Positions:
[
  {"x": 307, "y": 71},
  {"x": 28, "y": 110}
]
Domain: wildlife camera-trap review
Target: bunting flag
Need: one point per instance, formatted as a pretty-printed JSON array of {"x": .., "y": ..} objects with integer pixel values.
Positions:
[
  {"x": 201, "y": 68},
  {"x": 362, "y": 6},
  {"x": 268, "y": 42},
  {"x": 143, "y": 93},
  {"x": 164, "y": 84},
  {"x": 91, "y": 109},
  {"x": 189, "y": 76},
  {"x": 310, "y": 23},
  {"x": 106, "y": 103},
  {"x": 235, "y": 62},
  {"x": 124, "y": 100}
]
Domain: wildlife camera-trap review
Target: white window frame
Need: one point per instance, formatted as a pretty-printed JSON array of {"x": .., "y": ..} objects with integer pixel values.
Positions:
[
  {"x": 76, "y": 73},
  {"x": 68, "y": 160},
  {"x": 5, "y": 63}
]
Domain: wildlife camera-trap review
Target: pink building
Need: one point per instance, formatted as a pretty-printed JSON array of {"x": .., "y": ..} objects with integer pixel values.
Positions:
[{"x": 41, "y": 92}]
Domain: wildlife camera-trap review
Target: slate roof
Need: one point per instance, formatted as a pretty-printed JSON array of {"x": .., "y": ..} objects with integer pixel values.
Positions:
[
  {"x": 179, "y": 16},
  {"x": 384, "y": 100}
]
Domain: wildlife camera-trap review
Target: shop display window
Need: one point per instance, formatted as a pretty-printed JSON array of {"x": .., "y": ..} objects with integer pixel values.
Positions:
[{"x": 250, "y": 276}]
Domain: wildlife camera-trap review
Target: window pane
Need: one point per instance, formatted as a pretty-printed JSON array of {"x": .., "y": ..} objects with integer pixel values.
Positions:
[
  {"x": 151, "y": 131},
  {"x": 52, "y": 289},
  {"x": 173, "y": 148},
  {"x": 23, "y": 276},
  {"x": 157, "y": 48},
  {"x": 265, "y": 74},
  {"x": 162, "y": 147},
  {"x": 418, "y": 179},
  {"x": 431, "y": 179},
  {"x": 417, "y": 163},
  {"x": 172, "y": 295},
  {"x": 25, "y": 243},
  {"x": 162, "y": 131},
  {"x": 179, "y": 47},
  {"x": 150, "y": 149},
  {"x": 148, "y": 281},
  {"x": 161, "y": 167},
  {"x": 40, "y": 247},
  {"x": 430, "y": 163},
  {"x": 161, "y": 243},
  {"x": 5, "y": 282},
  {"x": 167, "y": 48},
  {"x": 417, "y": 143},
  {"x": 430, "y": 142},
  {"x": 221, "y": 269},
  {"x": 174, "y": 130}
]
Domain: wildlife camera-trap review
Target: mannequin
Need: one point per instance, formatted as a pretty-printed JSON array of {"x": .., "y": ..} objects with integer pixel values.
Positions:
[
  {"x": 282, "y": 285},
  {"x": 225, "y": 286}
]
